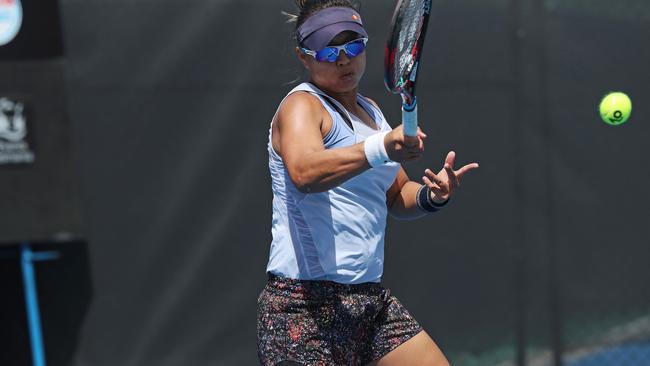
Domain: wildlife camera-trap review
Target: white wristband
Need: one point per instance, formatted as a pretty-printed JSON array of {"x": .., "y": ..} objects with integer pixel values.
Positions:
[{"x": 376, "y": 150}]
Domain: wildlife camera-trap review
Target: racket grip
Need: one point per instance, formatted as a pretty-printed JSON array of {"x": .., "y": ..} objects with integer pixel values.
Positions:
[{"x": 410, "y": 119}]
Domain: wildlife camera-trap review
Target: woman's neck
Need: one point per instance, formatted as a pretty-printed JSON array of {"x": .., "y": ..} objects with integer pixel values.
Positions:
[{"x": 347, "y": 99}]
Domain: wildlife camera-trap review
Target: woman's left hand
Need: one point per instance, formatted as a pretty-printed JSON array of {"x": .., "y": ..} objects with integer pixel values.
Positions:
[{"x": 444, "y": 183}]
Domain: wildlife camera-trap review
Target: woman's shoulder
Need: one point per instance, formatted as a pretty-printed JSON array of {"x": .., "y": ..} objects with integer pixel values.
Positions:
[
  {"x": 301, "y": 111},
  {"x": 301, "y": 107},
  {"x": 300, "y": 99}
]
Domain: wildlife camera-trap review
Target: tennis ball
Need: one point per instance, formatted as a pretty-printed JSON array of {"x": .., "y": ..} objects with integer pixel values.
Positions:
[{"x": 615, "y": 108}]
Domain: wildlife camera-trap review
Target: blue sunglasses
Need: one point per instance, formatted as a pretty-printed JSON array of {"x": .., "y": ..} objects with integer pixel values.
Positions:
[{"x": 331, "y": 53}]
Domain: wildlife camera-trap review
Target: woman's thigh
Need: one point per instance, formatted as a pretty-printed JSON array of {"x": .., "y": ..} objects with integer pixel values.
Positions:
[{"x": 420, "y": 350}]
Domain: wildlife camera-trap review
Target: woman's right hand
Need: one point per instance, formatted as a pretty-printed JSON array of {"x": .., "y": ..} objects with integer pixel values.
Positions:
[{"x": 402, "y": 148}]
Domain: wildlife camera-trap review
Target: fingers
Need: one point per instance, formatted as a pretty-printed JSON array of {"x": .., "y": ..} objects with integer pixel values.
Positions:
[
  {"x": 430, "y": 184},
  {"x": 456, "y": 175},
  {"x": 421, "y": 134},
  {"x": 436, "y": 181},
  {"x": 411, "y": 141},
  {"x": 443, "y": 183},
  {"x": 450, "y": 159},
  {"x": 404, "y": 148},
  {"x": 460, "y": 172},
  {"x": 414, "y": 145},
  {"x": 449, "y": 168},
  {"x": 452, "y": 176},
  {"x": 415, "y": 152},
  {"x": 436, "y": 189}
]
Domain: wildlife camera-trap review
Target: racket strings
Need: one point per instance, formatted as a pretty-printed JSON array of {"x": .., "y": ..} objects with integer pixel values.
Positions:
[{"x": 412, "y": 22}]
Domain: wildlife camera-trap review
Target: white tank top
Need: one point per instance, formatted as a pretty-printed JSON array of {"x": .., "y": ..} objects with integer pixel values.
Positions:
[{"x": 337, "y": 235}]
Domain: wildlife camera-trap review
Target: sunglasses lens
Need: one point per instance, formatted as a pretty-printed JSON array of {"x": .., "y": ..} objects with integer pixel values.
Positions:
[
  {"x": 355, "y": 48},
  {"x": 329, "y": 54}
]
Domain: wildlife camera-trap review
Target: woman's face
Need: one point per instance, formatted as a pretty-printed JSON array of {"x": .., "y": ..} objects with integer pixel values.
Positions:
[{"x": 341, "y": 76}]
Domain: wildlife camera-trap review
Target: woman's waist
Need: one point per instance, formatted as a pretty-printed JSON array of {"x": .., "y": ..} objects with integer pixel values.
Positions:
[{"x": 318, "y": 288}]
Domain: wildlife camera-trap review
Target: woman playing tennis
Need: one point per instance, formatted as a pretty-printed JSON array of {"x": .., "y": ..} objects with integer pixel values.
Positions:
[{"x": 336, "y": 174}]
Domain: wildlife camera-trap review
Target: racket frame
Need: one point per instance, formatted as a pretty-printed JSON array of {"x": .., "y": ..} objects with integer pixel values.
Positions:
[{"x": 406, "y": 85}]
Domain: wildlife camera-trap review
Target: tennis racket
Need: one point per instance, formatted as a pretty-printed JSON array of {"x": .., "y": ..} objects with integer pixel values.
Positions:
[{"x": 403, "y": 52}]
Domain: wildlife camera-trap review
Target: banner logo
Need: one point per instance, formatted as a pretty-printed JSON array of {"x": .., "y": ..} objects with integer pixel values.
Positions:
[
  {"x": 14, "y": 148},
  {"x": 11, "y": 18},
  {"x": 12, "y": 121}
]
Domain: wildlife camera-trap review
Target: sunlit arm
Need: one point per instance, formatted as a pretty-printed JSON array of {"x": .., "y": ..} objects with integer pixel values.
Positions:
[
  {"x": 311, "y": 167},
  {"x": 401, "y": 198},
  {"x": 319, "y": 171}
]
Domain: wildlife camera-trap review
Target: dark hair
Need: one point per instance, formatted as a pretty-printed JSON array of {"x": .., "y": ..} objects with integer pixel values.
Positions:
[{"x": 307, "y": 8}]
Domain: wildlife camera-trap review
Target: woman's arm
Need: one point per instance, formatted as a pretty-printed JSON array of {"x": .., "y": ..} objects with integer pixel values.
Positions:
[
  {"x": 402, "y": 195},
  {"x": 311, "y": 167},
  {"x": 401, "y": 198}
]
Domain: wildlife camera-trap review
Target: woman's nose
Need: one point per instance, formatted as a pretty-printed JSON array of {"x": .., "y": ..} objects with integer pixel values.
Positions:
[{"x": 343, "y": 58}]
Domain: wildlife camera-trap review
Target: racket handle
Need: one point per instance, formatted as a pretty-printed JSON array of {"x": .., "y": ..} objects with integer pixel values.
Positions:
[{"x": 410, "y": 119}]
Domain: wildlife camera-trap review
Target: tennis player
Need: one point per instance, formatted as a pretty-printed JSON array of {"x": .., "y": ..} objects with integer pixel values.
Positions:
[{"x": 336, "y": 174}]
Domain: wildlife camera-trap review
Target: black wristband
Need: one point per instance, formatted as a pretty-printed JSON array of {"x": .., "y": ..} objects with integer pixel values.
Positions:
[{"x": 424, "y": 201}]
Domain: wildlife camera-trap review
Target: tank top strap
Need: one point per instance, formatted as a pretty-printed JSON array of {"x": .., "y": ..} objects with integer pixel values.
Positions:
[
  {"x": 330, "y": 102},
  {"x": 374, "y": 112},
  {"x": 342, "y": 131}
]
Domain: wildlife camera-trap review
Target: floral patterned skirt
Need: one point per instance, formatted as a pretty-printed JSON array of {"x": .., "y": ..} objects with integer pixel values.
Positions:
[{"x": 328, "y": 323}]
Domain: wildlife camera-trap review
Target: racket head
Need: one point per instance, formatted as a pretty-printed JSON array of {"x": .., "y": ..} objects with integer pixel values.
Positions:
[{"x": 404, "y": 46}]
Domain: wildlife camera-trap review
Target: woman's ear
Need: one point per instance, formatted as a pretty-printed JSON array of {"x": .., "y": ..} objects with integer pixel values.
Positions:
[{"x": 302, "y": 57}]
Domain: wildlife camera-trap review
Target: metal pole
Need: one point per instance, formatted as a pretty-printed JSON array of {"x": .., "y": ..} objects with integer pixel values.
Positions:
[
  {"x": 554, "y": 293},
  {"x": 519, "y": 246}
]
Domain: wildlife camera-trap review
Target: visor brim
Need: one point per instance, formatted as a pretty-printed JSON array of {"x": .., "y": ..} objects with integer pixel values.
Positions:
[{"x": 322, "y": 37}]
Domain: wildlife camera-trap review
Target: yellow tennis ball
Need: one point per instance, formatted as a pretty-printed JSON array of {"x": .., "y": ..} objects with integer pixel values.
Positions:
[{"x": 615, "y": 108}]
